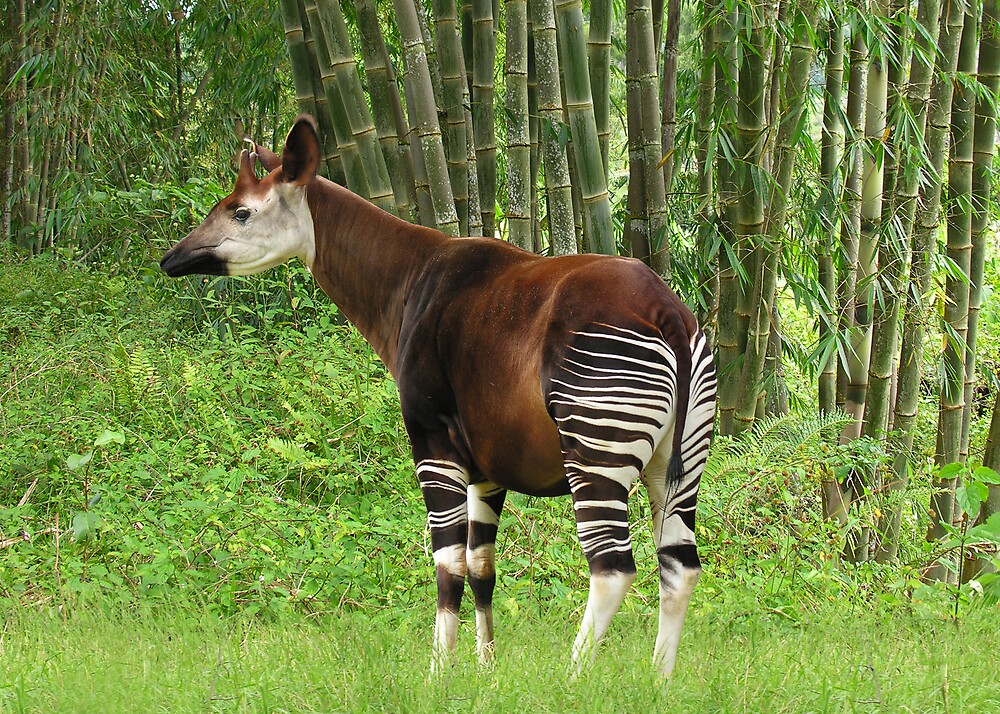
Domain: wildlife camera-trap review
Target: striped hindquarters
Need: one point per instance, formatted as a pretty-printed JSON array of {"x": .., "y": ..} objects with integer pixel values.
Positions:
[{"x": 612, "y": 396}]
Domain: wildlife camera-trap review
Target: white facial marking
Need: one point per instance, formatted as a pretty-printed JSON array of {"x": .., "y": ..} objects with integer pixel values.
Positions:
[{"x": 278, "y": 228}]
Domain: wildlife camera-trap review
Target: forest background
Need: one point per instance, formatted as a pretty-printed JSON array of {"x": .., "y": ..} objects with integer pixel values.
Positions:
[{"x": 816, "y": 179}]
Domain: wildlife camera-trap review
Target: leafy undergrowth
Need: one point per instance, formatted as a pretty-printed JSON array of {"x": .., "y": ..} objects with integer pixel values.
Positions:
[{"x": 232, "y": 447}]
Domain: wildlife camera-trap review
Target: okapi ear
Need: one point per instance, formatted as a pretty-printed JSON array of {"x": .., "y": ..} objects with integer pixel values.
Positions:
[{"x": 300, "y": 158}]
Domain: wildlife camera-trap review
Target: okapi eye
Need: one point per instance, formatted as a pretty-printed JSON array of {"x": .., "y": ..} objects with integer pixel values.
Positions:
[{"x": 242, "y": 214}]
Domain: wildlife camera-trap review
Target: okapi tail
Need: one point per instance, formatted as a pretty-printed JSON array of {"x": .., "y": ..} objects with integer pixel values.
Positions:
[{"x": 679, "y": 342}]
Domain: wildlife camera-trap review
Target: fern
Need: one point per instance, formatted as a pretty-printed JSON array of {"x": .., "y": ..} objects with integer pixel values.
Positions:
[
  {"x": 770, "y": 440},
  {"x": 297, "y": 455}
]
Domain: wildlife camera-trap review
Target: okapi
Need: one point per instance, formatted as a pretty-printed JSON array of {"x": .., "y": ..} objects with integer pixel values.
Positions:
[{"x": 546, "y": 376}]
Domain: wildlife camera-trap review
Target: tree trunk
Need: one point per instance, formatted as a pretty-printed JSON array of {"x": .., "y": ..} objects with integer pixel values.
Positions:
[
  {"x": 832, "y": 142},
  {"x": 518, "y": 133},
  {"x": 956, "y": 310},
  {"x": 484, "y": 53},
  {"x": 589, "y": 165},
  {"x": 423, "y": 117},
  {"x": 562, "y": 235}
]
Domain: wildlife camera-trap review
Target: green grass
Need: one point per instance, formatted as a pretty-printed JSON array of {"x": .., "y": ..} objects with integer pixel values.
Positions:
[{"x": 836, "y": 661}]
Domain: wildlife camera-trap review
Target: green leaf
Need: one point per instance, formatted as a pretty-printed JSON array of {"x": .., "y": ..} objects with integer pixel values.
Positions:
[
  {"x": 951, "y": 470},
  {"x": 75, "y": 461},
  {"x": 968, "y": 497},
  {"x": 81, "y": 526},
  {"x": 987, "y": 475},
  {"x": 107, "y": 437}
]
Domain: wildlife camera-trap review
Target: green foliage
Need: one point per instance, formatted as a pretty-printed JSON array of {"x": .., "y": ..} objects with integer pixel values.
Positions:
[{"x": 233, "y": 445}]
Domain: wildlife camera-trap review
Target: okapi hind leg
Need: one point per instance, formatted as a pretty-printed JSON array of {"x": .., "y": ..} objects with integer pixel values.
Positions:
[
  {"x": 677, "y": 555},
  {"x": 673, "y": 499},
  {"x": 611, "y": 398},
  {"x": 601, "y": 511},
  {"x": 444, "y": 484},
  {"x": 485, "y": 503}
]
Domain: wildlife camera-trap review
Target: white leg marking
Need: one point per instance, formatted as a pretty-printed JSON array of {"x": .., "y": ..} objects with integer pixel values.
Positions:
[
  {"x": 445, "y": 637},
  {"x": 452, "y": 559},
  {"x": 481, "y": 563},
  {"x": 607, "y": 592},
  {"x": 673, "y": 608}
]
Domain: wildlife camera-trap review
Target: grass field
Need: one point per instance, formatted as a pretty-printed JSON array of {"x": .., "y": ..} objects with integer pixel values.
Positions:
[{"x": 836, "y": 661}]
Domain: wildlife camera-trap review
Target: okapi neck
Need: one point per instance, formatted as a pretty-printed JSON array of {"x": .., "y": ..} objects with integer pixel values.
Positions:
[{"x": 367, "y": 261}]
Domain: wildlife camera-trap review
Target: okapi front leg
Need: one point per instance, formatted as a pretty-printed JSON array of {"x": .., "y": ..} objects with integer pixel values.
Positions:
[
  {"x": 444, "y": 484},
  {"x": 485, "y": 503}
]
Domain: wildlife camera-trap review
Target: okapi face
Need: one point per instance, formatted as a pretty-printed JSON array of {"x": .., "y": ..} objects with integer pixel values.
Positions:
[{"x": 262, "y": 223}]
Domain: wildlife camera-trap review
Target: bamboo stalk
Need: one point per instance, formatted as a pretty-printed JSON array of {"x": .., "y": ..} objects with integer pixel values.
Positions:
[
  {"x": 850, "y": 226},
  {"x": 484, "y": 62},
  {"x": 423, "y": 116},
  {"x": 708, "y": 277},
  {"x": 534, "y": 124},
  {"x": 893, "y": 252},
  {"x": 859, "y": 354},
  {"x": 518, "y": 133},
  {"x": 331, "y": 152},
  {"x": 599, "y": 65},
  {"x": 730, "y": 353},
  {"x": 453, "y": 88},
  {"x": 595, "y": 201},
  {"x": 637, "y": 219},
  {"x": 749, "y": 225},
  {"x": 354, "y": 170},
  {"x": 959, "y": 250},
  {"x": 956, "y": 311},
  {"x": 421, "y": 185},
  {"x": 668, "y": 111},
  {"x": 984, "y": 149},
  {"x": 655, "y": 194},
  {"x": 935, "y": 107},
  {"x": 832, "y": 142},
  {"x": 384, "y": 92},
  {"x": 562, "y": 234},
  {"x": 359, "y": 117}
]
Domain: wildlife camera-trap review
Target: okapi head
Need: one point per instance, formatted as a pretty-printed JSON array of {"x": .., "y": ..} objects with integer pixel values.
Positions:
[{"x": 263, "y": 222}]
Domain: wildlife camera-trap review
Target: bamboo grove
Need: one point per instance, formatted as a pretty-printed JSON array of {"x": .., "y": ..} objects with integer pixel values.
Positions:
[{"x": 834, "y": 156}]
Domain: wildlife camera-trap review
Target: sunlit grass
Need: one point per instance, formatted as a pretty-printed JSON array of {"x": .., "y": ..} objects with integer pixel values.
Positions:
[{"x": 837, "y": 661}]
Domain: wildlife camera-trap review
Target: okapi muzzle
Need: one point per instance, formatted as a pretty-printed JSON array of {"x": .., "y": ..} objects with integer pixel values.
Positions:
[{"x": 193, "y": 256}]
